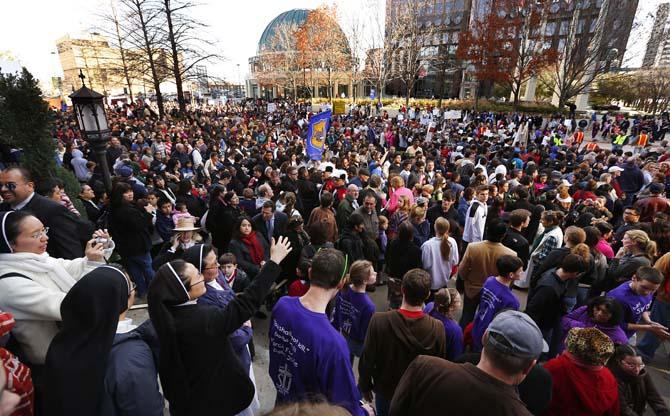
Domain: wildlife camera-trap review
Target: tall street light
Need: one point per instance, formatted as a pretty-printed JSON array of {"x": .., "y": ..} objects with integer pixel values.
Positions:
[{"x": 90, "y": 110}]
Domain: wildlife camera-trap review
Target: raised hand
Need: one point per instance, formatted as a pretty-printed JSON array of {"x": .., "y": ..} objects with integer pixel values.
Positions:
[{"x": 280, "y": 249}]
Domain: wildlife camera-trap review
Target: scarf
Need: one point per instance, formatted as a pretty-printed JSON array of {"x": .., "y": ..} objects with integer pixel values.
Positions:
[
  {"x": 254, "y": 246},
  {"x": 39, "y": 263}
]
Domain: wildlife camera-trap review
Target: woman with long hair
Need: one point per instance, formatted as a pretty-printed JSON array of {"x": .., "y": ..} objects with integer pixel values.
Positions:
[
  {"x": 400, "y": 215},
  {"x": 131, "y": 227},
  {"x": 439, "y": 255},
  {"x": 199, "y": 371},
  {"x": 397, "y": 190},
  {"x": 402, "y": 255},
  {"x": 250, "y": 248},
  {"x": 601, "y": 312},
  {"x": 637, "y": 250},
  {"x": 444, "y": 308}
]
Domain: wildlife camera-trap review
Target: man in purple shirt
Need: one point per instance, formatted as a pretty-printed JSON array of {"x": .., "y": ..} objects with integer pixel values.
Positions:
[
  {"x": 308, "y": 357},
  {"x": 496, "y": 296},
  {"x": 635, "y": 299}
]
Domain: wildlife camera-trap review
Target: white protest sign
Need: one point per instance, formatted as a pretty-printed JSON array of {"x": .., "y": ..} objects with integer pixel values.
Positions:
[{"x": 272, "y": 107}]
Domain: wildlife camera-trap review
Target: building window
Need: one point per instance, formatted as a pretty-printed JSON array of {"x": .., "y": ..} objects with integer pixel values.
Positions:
[
  {"x": 580, "y": 25},
  {"x": 550, "y": 29},
  {"x": 592, "y": 27},
  {"x": 565, "y": 25}
]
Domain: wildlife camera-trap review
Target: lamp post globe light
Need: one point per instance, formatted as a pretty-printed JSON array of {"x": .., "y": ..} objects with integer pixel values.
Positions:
[{"x": 90, "y": 110}]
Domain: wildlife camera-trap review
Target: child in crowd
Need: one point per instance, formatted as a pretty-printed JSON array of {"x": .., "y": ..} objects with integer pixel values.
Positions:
[
  {"x": 635, "y": 297},
  {"x": 237, "y": 279},
  {"x": 496, "y": 296},
  {"x": 354, "y": 308},
  {"x": 444, "y": 308},
  {"x": 300, "y": 286},
  {"x": 181, "y": 211},
  {"x": 164, "y": 224}
]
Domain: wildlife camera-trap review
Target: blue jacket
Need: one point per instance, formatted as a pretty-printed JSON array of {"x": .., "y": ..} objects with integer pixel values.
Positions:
[
  {"x": 220, "y": 298},
  {"x": 131, "y": 381}
]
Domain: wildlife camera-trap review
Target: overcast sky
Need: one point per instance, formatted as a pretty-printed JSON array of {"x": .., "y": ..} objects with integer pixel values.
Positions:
[{"x": 29, "y": 28}]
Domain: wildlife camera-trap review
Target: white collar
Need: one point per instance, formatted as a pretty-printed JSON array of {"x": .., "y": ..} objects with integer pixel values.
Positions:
[
  {"x": 215, "y": 285},
  {"x": 189, "y": 302},
  {"x": 125, "y": 326},
  {"x": 23, "y": 203}
]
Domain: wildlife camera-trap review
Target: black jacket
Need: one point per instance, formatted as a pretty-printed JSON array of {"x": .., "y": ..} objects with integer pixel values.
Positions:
[
  {"x": 218, "y": 383},
  {"x": 436, "y": 212},
  {"x": 545, "y": 302},
  {"x": 195, "y": 206},
  {"x": 402, "y": 256},
  {"x": 131, "y": 228},
  {"x": 243, "y": 257},
  {"x": 351, "y": 244},
  {"x": 220, "y": 222},
  {"x": 66, "y": 231},
  {"x": 517, "y": 242}
]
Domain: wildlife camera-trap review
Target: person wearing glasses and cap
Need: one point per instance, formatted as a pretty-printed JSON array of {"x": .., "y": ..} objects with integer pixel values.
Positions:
[
  {"x": 512, "y": 344},
  {"x": 198, "y": 369}
]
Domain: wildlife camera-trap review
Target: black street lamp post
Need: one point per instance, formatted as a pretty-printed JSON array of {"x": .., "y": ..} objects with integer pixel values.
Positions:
[{"x": 90, "y": 110}]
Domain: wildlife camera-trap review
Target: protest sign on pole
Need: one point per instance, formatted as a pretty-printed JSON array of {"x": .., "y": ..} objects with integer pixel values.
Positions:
[
  {"x": 339, "y": 107},
  {"x": 272, "y": 107}
]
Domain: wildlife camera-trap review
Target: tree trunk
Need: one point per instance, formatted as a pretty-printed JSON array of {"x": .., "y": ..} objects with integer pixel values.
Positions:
[
  {"x": 122, "y": 51},
  {"x": 175, "y": 59},
  {"x": 152, "y": 63}
]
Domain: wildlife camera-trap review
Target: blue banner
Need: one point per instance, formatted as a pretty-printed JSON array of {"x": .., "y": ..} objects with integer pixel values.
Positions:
[{"x": 316, "y": 134}]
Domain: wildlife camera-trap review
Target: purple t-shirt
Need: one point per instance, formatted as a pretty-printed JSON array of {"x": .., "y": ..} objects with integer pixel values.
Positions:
[
  {"x": 308, "y": 356},
  {"x": 495, "y": 297},
  {"x": 452, "y": 331},
  {"x": 352, "y": 313},
  {"x": 633, "y": 305}
]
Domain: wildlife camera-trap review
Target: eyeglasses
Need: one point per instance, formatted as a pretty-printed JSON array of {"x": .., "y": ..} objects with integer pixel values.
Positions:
[
  {"x": 633, "y": 365},
  {"x": 40, "y": 234},
  {"x": 9, "y": 185},
  {"x": 196, "y": 283},
  {"x": 215, "y": 266}
]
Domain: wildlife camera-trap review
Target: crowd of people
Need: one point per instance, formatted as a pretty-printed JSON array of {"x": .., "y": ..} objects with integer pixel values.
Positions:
[{"x": 526, "y": 266}]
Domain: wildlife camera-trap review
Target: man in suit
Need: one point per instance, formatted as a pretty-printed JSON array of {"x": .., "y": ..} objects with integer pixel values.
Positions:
[
  {"x": 18, "y": 193},
  {"x": 270, "y": 223}
]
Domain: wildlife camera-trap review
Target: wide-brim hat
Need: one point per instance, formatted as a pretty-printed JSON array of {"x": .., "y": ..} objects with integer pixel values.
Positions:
[{"x": 185, "y": 224}]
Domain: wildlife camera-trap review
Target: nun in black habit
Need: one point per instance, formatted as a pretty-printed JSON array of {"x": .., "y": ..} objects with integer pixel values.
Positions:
[
  {"x": 76, "y": 362},
  {"x": 198, "y": 368}
]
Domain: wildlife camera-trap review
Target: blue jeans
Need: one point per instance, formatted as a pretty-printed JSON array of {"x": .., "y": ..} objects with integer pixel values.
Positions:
[
  {"x": 660, "y": 312},
  {"x": 139, "y": 268},
  {"x": 382, "y": 405}
]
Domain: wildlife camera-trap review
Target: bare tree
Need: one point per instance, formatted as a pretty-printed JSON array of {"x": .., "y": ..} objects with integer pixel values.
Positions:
[
  {"x": 354, "y": 28},
  {"x": 142, "y": 28},
  {"x": 279, "y": 61},
  {"x": 377, "y": 70},
  {"x": 184, "y": 40},
  {"x": 120, "y": 67},
  {"x": 409, "y": 35},
  {"x": 584, "y": 57}
]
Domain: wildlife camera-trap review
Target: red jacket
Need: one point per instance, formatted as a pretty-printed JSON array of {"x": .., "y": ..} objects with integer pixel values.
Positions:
[{"x": 579, "y": 390}]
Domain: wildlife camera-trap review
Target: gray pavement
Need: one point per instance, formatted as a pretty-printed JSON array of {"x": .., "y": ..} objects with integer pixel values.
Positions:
[{"x": 659, "y": 368}]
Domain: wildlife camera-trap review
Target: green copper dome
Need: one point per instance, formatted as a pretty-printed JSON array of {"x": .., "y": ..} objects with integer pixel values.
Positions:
[{"x": 294, "y": 17}]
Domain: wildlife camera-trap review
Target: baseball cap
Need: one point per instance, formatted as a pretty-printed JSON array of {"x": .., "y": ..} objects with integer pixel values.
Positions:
[
  {"x": 517, "y": 335},
  {"x": 614, "y": 169},
  {"x": 125, "y": 171}
]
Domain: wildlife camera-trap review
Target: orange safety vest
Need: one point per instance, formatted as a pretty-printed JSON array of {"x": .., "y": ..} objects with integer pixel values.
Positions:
[
  {"x": 579, "y": 137},
  {"x": 642, "y": 141},
  {"x": 591, "y": 146}
]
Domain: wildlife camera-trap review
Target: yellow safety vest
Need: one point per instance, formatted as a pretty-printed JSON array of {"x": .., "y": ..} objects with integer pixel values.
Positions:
[
  {"x": 558, "y": 141},
  {"x": 620, "y": 140}
]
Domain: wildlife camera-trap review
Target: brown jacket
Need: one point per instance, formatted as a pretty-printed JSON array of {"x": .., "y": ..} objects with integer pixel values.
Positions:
[
  {"x": 433, "y": 386},
  {"x": 326, "y": 216},
  {"x": 392, "y": 342},
  {"x": 478, "y": 263}
]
